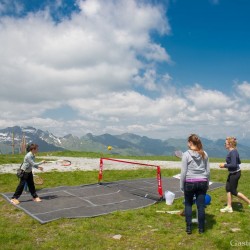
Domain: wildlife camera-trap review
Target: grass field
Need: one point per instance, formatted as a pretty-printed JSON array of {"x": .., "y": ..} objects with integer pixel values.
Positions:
[{"x": 139, "y": 229}]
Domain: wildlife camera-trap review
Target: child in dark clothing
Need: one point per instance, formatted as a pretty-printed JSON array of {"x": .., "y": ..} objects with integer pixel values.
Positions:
[{"x": 233, "y": 165}]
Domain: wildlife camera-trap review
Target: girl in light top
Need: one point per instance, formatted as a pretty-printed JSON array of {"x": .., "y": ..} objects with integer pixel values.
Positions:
[
  {"x": 28, "y": 164},
  {"x": 194, "y": 181}
]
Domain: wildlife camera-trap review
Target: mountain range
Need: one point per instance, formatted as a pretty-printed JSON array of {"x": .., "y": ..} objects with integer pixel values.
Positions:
[{"x": 125, "y": 144}]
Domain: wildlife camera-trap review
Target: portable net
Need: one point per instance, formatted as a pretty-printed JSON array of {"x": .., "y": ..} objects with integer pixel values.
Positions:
[{"x": 146, "y": 187}]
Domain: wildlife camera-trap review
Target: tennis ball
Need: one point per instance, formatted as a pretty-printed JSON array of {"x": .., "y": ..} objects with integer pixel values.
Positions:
[{"x": 109, "y": 147}]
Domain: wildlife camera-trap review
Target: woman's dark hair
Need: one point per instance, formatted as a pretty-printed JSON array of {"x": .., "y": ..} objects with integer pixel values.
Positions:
[
  {"x": 197, "y": 142},
  {"x": 32, "y": 146},
  {"x": 28, "y": 148}
]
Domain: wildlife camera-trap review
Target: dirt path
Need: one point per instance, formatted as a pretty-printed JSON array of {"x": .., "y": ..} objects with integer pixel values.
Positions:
[{"x": 87, "y": 164}]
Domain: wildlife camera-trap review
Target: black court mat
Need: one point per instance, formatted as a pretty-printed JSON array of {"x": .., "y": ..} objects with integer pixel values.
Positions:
[{"x": 95, "y": 199}]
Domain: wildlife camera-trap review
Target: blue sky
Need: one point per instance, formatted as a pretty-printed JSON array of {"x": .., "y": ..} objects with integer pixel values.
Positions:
[
  {"x": 156, "y": 68},
  {"x": 209, "y": 42}
]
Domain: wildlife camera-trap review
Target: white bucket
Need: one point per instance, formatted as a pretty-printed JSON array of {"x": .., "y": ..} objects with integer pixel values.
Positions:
[{"x": 169, "y": 197}]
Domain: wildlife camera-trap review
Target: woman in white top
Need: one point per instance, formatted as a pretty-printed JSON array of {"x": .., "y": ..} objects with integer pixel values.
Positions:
[
  {"x": 194, "y": 181},
  {"x": 28, "y": 164}
]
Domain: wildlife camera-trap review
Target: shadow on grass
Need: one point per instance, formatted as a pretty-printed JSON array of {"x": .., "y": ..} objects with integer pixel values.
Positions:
[
  {"x": 210, "y": 221},
  {"x": 237, "y": 206},
  {"x": 209, "y": 224}
]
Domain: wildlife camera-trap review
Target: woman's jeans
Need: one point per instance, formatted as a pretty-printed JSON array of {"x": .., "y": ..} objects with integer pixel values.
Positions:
[{"x": 199, "y": 190}]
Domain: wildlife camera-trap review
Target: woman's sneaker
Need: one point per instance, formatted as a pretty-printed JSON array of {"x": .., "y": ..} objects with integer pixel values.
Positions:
[
  {"x": 226, "y": 209},
  {"x": 15, "y": 201},
  {"x": 37, "y": 199}
]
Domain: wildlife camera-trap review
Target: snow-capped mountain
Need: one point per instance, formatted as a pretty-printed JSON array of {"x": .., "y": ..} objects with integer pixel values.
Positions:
[
  {"x": 15, "y": 137},
  {"x": 124, "y": 144}
]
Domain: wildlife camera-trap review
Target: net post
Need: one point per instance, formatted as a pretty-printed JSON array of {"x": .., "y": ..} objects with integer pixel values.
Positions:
[
  {"x": 159, "y": 182},
  {"x": 100, "y": 171}
]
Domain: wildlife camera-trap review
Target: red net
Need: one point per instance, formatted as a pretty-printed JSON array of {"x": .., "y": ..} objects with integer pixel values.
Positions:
[{"x": 158, "y": 171}]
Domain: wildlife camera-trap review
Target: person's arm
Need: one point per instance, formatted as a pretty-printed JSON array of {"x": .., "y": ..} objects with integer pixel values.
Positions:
[
  {"x": 184, "y": 164},
  {"x": 40, "y": 162},
  {"x": 33, "y": 164},
  {"x": 208, "y": 171}
]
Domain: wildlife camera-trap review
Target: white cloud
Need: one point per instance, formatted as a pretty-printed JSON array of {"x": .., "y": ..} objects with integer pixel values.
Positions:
[
  {"x": 244, "y": 89},
  {"x": 13, "y": 6},
  {"x": 101, "y": 64},
  {"x": 208, "y": 99},
  {"x": 97, "y": 47}
]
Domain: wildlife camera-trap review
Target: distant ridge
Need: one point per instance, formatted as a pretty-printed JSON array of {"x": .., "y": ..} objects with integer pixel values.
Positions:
[{"x": 124, "y": 144}]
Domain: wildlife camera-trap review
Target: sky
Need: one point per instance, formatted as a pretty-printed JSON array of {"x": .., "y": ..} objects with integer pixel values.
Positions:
[{"x": 156, "y": 68}]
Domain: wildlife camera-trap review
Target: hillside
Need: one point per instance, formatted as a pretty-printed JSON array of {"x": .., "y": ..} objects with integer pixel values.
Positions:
[{"x": 124, "y": 144}]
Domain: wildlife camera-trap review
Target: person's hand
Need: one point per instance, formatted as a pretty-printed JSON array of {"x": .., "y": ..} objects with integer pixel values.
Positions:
[
  {"x": 221, "y": 165},
  {"x": 40, "y": 168}
]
